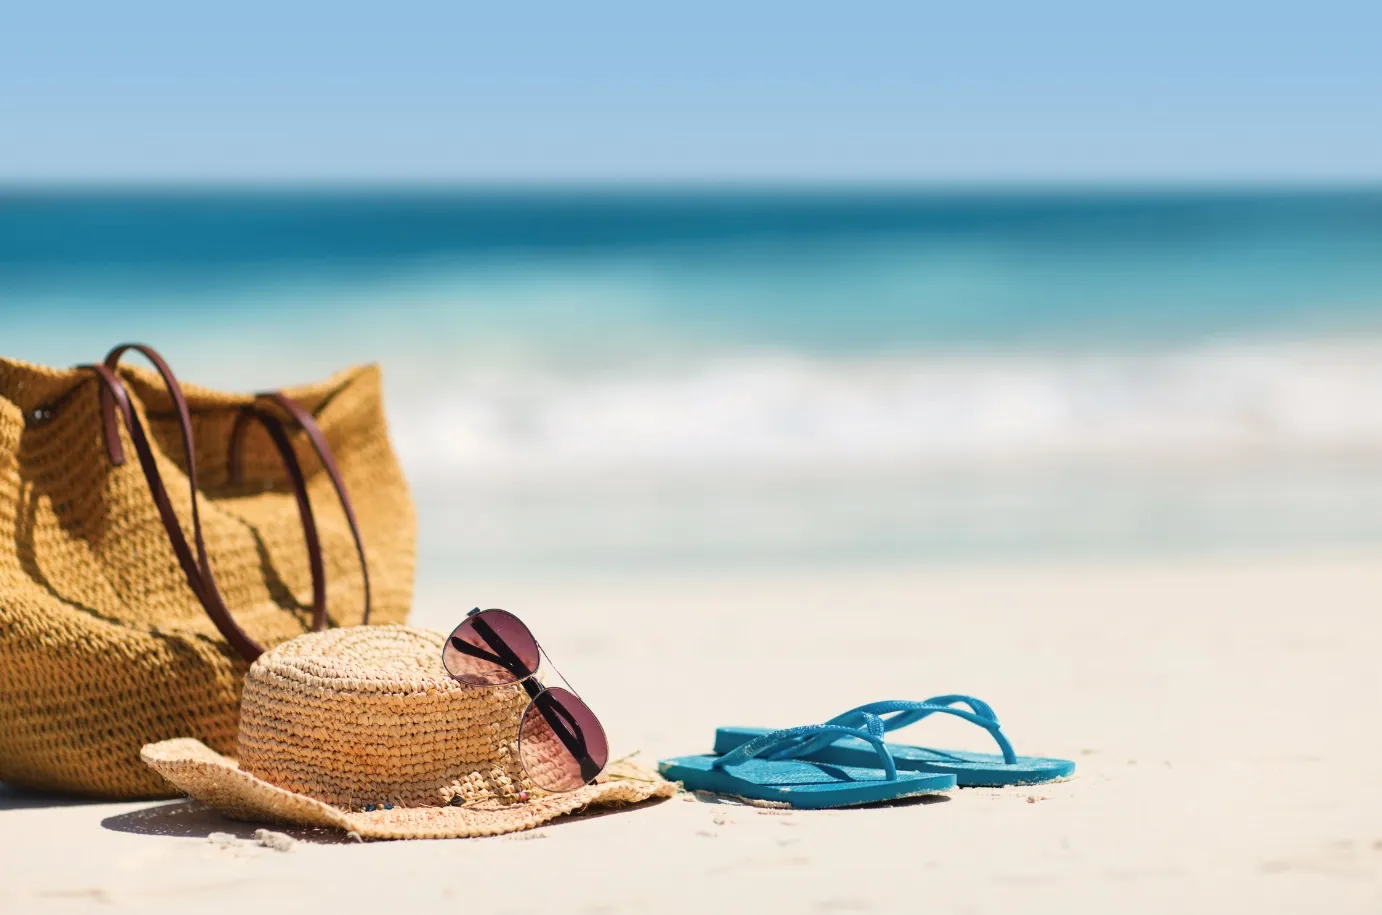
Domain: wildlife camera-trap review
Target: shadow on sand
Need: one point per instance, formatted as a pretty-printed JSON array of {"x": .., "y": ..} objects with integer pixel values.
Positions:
[
  {"x": 919, "y": 800},
  {"x": 191, "y": 819}
]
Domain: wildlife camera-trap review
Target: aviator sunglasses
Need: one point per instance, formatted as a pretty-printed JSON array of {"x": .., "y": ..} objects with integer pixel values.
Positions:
[{"x": 560, "y": 741}]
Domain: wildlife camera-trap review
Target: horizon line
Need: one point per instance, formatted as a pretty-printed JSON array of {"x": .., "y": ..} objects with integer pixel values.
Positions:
[{"x": 933, "y": 187}]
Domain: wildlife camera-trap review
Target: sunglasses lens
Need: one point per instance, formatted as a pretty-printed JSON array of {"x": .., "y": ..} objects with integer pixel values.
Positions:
[
  {"x": 561, "y": 743},
  {"x": 491, "y": 649}
]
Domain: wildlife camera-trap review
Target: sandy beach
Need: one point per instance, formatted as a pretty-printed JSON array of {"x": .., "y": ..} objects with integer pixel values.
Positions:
[
  {"x": 1223, "y": 714},
  {"x": 766, "y": 361}
]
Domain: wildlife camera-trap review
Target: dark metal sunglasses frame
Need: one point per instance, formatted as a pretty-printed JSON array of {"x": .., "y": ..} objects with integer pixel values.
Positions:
[{"x": 562, "y": 723}]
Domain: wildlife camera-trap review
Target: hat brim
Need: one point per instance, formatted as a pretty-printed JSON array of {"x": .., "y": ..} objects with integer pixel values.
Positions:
[{"x": 218, "y": 781}]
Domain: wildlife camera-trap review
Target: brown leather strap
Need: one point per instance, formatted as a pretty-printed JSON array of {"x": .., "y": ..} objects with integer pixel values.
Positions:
[
  {"x": 114, "y": 450},
  {"x": 234, "y": 472},
  {"x": 113, "y": 392},
  {"x": 333, "y": 470},
  {"x": 196, "y": 568},
  {"x": 299, "y": 482}
]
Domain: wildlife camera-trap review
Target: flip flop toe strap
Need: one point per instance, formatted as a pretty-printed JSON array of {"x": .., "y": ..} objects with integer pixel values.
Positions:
[
  {"x": 767, "y": 744},
  {"x": 893, "y": 714}
]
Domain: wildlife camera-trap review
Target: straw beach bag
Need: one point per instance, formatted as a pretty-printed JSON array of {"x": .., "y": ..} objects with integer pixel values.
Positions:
[{"x": 155, "y": 540}]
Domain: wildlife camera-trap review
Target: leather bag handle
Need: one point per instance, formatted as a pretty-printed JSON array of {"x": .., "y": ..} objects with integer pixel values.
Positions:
[
  {"x": 317, "y": 439},
  {"x": 113, "y": 397},
  {"x": 279, "y": 437},
  {"x": 197, "y": 568}
]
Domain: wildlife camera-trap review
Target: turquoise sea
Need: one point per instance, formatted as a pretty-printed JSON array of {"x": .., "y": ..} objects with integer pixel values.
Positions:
[{"x": 594, "y": 380}]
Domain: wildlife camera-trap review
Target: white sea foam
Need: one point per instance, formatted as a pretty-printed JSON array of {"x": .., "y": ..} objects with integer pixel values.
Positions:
[{"x": 776, "y": 412}]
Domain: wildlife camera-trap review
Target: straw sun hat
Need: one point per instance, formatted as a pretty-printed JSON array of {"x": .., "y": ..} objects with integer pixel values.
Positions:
[{"x": 363, "y": 729}]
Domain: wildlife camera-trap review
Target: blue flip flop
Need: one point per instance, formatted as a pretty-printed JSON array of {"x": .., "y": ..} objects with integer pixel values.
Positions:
[
  {"x": 744, "y": 772},
  {"x": 969, "y": 769}
]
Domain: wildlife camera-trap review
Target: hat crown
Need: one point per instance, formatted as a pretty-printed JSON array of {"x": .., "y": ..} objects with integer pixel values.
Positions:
[{"x": 368, "y": 715}]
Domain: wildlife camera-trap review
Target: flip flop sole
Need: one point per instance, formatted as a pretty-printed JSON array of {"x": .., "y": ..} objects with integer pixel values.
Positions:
[
  {"x": 802, "y": 784},
  {"x": 971, "y": 770}
]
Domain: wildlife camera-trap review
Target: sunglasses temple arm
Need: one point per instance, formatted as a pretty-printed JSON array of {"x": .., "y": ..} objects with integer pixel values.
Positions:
[{"x": 548, "y": 658}]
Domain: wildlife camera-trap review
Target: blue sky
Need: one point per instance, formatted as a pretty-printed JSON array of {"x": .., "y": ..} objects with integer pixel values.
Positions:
[{"x": 725, "y": 92}]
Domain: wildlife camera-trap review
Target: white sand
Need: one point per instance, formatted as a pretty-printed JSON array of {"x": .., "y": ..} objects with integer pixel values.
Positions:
[{"x": 1224, "y": 715}]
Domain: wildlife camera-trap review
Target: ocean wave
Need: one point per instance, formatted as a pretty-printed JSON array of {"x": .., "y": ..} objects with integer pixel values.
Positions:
[{"x": 766, "y": 412}]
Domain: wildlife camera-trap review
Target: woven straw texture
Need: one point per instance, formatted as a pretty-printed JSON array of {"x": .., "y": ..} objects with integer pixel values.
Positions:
[
  {"x": 338, "y": 721},
  {"x": 103, "y": 646}
]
